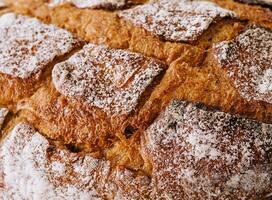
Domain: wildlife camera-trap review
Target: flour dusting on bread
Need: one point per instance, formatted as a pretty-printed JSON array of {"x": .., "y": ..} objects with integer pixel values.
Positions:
[
  {"x": 27, "y": 45},
  {"x": 247, "y": 60},
  {"x": 131, "y": 186},
  {"x": 33, "y": 168},
  {"x": 91, "y": 3},
  {"x": 105, "y": 121},
  {"x": 110, "y": 79},
  {"x": 177, "y": 20},
  {"x": 196, "y": 152}
]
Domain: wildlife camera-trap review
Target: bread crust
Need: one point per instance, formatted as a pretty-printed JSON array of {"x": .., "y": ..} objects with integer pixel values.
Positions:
[
  {"x": 29, "y": 50},
  {"x": 86, "y": 111},
  {"x": 60, "y": 173},
  {"x": 201, "y": 142},
  {"x": 258, "y": 14},
  {"x": 221, "y": 161},
  {"x": 110, "y": 103}
]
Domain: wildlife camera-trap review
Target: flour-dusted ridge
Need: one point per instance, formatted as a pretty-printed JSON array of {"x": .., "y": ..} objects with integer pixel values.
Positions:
[
  {"x": 27, "y": 45},
  {"x": 34, "y": 170},
  {"x": 3, "y": 114},
  {"x": 198, "y": 153},
  {"x": 176, "y": 20},
  {"x": 31, "y": 168},
  {"x": 112, "y": 4},
  {"x": 110, "y": 79},
  {"x": 248, "y": 62}
]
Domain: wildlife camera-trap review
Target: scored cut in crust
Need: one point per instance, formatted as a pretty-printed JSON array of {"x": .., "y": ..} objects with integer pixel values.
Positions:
[{"x": 234, "y": 77}]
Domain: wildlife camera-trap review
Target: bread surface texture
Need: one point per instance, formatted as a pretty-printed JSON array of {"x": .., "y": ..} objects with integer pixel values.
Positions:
[{"x": 135, "y": 99}]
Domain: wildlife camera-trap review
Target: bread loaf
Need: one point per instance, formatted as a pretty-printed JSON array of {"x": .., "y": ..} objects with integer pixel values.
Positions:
[{"x": 109, "y": 99}]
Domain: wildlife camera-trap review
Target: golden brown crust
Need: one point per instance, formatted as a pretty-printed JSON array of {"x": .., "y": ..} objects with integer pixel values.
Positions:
[
  {"x": 254, "y": 13},
  {"x": 99, "y": 26},
  {"x": 94, "y": 119},
  {"x": 193, "y": 73},
  {"x": 209, "y": 83},
  {"x": 15, "y": 89},
  {"x": 182, "y": 80},
  {"x": 88, "y": 23},
  {"x": 69, "y": 121}
]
